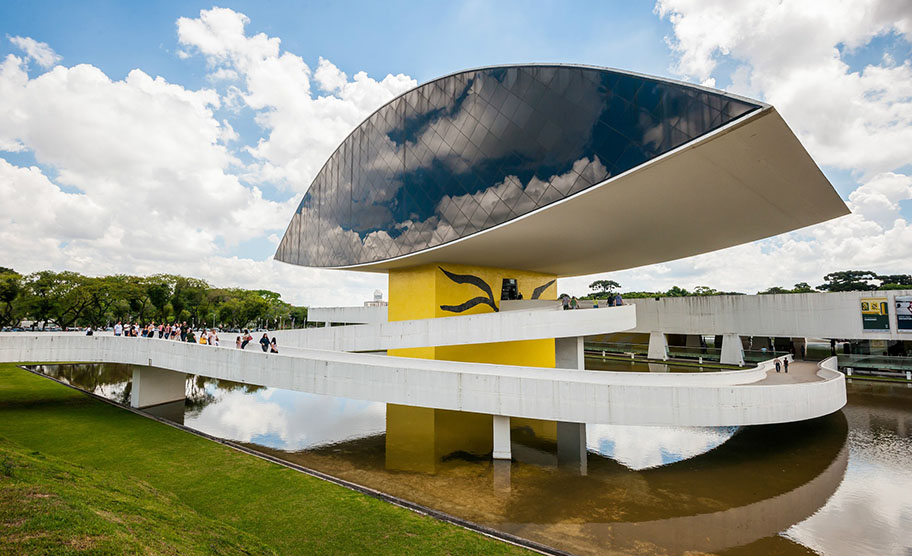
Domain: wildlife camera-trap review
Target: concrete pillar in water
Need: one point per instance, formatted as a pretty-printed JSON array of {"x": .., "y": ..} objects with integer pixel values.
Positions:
[
  {"x": 152, "y": 386},
  {"x": 502, "y": 449},
  {"x": 732, "y": 350},
  {"x": 502, "y": 471},
  {"x": 658, "y": 346},
  {"x": 571, "y": 446},
  {"x": 568, "y": 353}
]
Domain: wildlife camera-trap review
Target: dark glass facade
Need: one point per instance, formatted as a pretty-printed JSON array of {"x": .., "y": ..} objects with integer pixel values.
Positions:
[{"x": 476, "y": 149}]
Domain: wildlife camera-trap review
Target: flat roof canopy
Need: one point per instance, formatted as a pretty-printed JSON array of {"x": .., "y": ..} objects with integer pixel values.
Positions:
[{"x": 749, "y": 180}]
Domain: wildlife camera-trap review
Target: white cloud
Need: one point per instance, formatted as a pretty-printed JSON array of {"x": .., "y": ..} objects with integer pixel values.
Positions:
[
  {"x": 302, "y": 130},
  {"x": 329, "y": 77},
  {"x": 137, "y": 175},
  {"x": 792, "y": 54},
  {"x": 222, "y": 74},
  {"x": 878, "y": 200},
  {"x": 43, "y": 54}
]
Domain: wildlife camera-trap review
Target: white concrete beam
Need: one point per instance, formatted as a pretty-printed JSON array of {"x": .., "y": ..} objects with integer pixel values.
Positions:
[
  {"x": 658, "y": 346},
  {"x": 569, "y": 353},
  {"x": 571, "y": 446},
  {"x": 502, "y": 448},
  {"x": 153, "y": 386},
  {"x": 732, "y": 350},
  {"x": 462, "y": 330}
]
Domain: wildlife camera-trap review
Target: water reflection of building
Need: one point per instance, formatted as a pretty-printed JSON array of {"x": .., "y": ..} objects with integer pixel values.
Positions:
[{"x": 761, "y": 482}]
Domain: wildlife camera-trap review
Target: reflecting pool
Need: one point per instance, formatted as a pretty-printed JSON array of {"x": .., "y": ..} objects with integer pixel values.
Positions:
[{"x": 837, "y": 485}]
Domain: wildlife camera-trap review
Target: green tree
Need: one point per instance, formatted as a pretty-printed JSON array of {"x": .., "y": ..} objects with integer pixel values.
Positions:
[
  {"x": 604, "y": 288},
  {"x": 774, "y": 290},
  {"x": 849, "y": 280},
  {"x": 105, "y": 293},
  {"x": 159, "y": 292},
  {"x": 58, "y": 297},
  {"x": 10, "y": 290},
  {"x": 297, "y": 317},
  {"x": 705, "y": 290},
  {"x": 895, "y": 279},
  {"x": 136, "y": 296},
  {"x": 675, "y": 291}
]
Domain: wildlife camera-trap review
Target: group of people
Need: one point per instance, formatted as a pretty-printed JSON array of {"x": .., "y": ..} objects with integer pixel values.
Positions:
[
  {"x": 163, "y": 331},
  {"x": 779, "y": 364},
  {"x": 184, "y": 333},
  {"x": 568, "y": 302},
  {"x": 265, "y": 343}
]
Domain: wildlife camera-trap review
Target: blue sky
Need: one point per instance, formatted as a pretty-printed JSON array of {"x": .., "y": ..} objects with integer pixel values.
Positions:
[
  {"x": 424, "y": 40},
  {"x": 838, "y": 72}
]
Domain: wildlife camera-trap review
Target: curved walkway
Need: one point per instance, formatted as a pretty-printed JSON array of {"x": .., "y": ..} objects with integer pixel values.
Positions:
[
  {"x": 799, "y": 371},
  {"x": 712, "y": 399}
]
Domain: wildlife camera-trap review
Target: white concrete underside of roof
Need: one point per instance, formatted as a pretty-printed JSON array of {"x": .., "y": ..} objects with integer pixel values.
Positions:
[{"x": 746, "y": 181}]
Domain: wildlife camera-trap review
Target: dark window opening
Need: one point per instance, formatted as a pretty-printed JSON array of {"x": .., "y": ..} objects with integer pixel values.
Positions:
[{"x": 509, "y": 290}]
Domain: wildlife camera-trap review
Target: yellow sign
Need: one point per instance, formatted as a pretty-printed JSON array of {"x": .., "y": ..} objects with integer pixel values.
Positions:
[{"x": 875, "y": 313}]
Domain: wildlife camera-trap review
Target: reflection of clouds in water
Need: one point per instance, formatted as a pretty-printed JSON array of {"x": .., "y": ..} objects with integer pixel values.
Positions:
[
  {"x": 871, "y": 512},
  {"x": 317, "y": 420},
  {"x": 641, "y": 447},
  {"x": 287, "y": 420},
  {"x": 239, "y": 416}
]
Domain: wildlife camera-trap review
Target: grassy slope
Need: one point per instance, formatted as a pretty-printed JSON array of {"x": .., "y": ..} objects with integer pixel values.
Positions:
[
  {"x": 50, "y": 507},
  {"x": 290, "y": 512}
]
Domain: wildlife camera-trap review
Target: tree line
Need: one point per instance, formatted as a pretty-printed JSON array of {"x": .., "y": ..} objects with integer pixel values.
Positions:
[
  {"x": 842, "y": 281},
  {"x": 69, "y": 299}
]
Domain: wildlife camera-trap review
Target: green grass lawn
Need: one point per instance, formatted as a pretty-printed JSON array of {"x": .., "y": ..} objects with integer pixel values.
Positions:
[{"x": 80, "y": 476}]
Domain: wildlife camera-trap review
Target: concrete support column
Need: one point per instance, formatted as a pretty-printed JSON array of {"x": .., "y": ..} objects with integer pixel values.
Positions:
[
  {"x": 568, "y": 353},
  {"x": 732, "y": 350},
  {"x": 152, "y": 386},
  {"x": 658, "y": 346},
  {"x": 502, "y": 449},
  {"x": 571, "y": 446},
  {"x": 326, "y": 324}
]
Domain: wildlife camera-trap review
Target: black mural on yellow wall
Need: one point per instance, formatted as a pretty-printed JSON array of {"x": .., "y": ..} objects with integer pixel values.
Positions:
[
  {"x": 483, "y": 286},
  {"x": 536, "y": 293},
  {"x": 475, "y": 281}
]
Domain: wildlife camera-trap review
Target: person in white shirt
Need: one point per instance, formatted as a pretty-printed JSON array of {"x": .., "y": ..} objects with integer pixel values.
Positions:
[{"x": 118, "y": 329}]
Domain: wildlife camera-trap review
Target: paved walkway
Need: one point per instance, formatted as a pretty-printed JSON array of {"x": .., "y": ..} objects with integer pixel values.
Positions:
[{"x": 799, "y": 371}]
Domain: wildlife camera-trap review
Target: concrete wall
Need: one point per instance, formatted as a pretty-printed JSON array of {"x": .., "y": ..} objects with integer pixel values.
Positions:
[
  {"x": 811, "y": 315},
  {"x": 351, "y": 315},
  {"x": 705, "y": 399}
]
